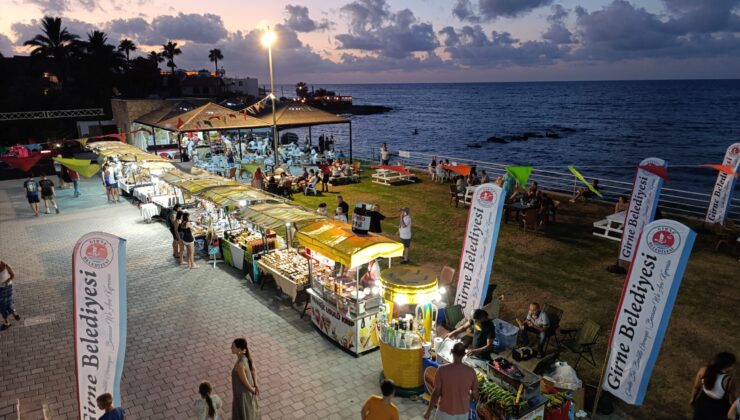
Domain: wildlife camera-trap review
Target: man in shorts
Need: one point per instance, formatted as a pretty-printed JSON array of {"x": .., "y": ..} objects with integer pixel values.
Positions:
[
  {"x": 48, "y": 194},
  {"x": 113, "y": 182},
  {"x": 32, "y": 193}
]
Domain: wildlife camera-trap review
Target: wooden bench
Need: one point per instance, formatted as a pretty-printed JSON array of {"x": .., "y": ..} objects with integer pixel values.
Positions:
[{"x": 384, "y": 177}]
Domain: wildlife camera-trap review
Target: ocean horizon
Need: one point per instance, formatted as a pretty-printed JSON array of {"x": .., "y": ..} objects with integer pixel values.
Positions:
[{"x": 605, "y": 128}]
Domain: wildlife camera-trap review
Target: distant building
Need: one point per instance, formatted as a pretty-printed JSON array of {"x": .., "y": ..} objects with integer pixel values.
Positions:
[
  {"x": 247, "y": 86},
  {"x": 202, "y": 86}
]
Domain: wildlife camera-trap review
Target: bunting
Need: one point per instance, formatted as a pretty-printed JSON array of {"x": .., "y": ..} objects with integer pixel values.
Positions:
[
  {"x": 726, "y": 169},
  {"x": 197, "y": 124},
  {"x": 23, "y": 163},
  {"x": 660, "y": 171},
  {"x": 583, "y": 180},
  {"x": 232, "y": 115},
  {"x": 81, "y": 166},
  {"x": 208, "y": 123},
  {"x": 215, "y": 117},
  {"x": 180, "y": 123},
  {"x": 146, "y": 130},
  {"x": 520, "y": 173}
]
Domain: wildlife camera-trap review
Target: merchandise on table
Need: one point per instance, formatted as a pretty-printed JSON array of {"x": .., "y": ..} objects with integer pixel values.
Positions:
[
  {"x": 290, "y": 264},
  {"x": 254, "y": 243}
]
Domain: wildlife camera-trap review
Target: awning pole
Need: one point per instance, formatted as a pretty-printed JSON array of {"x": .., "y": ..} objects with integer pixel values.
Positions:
[{"x": 179, "y": 144}]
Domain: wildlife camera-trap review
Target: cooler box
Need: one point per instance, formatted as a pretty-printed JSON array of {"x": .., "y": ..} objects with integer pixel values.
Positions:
[{"x": 506, "y": 334}]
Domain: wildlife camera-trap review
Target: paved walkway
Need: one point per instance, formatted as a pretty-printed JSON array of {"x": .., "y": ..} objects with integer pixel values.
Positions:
[{"x": 180, "y": 325}]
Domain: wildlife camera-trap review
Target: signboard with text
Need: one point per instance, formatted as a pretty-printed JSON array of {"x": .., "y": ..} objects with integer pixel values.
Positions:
[
  {"x": 99, "y": 284},
  {"x": 645, "y": 308},
  {"x": 719, "y": 202},
  {"x": 642, "y": 205}
]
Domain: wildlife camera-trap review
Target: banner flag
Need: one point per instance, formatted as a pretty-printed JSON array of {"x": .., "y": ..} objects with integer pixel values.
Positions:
[
  {"x": 583, "y": 180},
  {"x": 81, "y": 166},
  {"x": 208, "y": 123},
  {"x": 479, "y": 245},
  {"x": 180, "y": 123},
  {"x": 719, "y": 202},
  {"x": 520, "y": 173},
  {"x": 729, "y": 170},
  {"x": 99, "y": 284},
  {"x": 23, "y": 163},
  {"x": 645, "y": 308},
  {"x": 643, "y": 203}
]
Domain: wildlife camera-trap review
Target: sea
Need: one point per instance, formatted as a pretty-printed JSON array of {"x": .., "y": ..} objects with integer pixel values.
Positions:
[{"x": 605, "y": 128}]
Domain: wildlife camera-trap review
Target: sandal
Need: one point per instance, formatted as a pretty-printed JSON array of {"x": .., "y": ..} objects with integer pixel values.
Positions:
[{"x": 17, "y": 317}]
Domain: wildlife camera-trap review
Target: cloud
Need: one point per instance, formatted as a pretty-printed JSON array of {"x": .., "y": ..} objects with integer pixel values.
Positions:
[
  {"x": 25, "y": 31},
  {"x": 701, "y": 16},
  {"x": 471, "y": 46},
  {"x": 205, "y": 28},
  {"x": 298, "y": 20},
  {"x": 557, "y": 32},
  {"x": 51, "y": 7},
  {"x": 487, "y": 10},
  {"x": 6, "y": 46},
  {"x": 374, "y": 28}
]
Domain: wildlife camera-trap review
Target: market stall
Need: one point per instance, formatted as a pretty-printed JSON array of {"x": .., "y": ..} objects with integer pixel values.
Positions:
[
  {"x": 288, "y": 267},
  {"x": 343, "y": 309}
]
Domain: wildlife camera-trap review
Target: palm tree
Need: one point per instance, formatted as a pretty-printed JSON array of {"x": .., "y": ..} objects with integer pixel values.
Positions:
[
  {"x": 214, "y": 55},
  {"x": 126, "y": 46},
  {"x": 169, "y": 51},
  {"x": 301, "y": 89},
  {"x": 155, "y": 57},
  {"x": 54, "y": 43}
]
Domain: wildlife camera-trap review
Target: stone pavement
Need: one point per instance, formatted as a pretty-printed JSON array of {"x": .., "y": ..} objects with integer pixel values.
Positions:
[{"x": 180, "y": 325}]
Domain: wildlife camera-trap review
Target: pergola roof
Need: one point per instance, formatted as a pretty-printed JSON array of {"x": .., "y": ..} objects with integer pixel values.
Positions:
[
  {"x": 296, "y": 114},
  {"x": 210, "y": 116}
]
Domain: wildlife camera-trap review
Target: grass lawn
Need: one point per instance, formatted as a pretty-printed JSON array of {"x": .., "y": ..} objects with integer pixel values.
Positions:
[{"x": 566, "y": 266}]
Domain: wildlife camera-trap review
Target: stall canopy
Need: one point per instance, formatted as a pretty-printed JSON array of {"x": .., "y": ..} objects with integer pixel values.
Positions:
[
  {"x": 106, "y": 149},
  {"x": 169, "y": 111},
  {"x": 335, "y": 240},
  {"x": 81, "y": 166},
  {"x": 210, "y": 116},
  {"x": 197, "y": 185},
  {"x": 297, "y": 114},
  {"x": 276, "y": 216},
  {"x": 232, "y": 196}
]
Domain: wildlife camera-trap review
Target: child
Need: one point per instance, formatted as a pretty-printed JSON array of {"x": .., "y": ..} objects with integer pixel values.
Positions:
[
  {"x": 381, "y": 408},
  {"x": 105, "y": 402}
]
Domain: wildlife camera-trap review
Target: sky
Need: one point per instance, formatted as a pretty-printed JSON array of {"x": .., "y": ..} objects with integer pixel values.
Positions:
[{"x": 394, "y": 41}]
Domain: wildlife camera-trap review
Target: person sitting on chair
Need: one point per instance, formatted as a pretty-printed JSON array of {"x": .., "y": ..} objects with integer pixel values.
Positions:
[
  {"x": 585, "y": 192},
  {"x": 483, "y": 333},
  {"x": 536, "y": 322}
]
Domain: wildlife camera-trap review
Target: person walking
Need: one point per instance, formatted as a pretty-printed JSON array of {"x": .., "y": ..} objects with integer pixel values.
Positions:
[
  {"x": 7, "y": 304},
  {"x": 113, "y": 183},
  {"x": 188, "y": 240},
  {"x": 105, "y": 402},
  {"x": 32, "y": 193},
  {"x": 258, "y": 179},
  {"x": 208, "y": 405},
  {"x": 381, "y": 408},
  {"x": 714, "y": 388},
  {"x": 48, "y": 194},
  {"x": 384, "y": 154},
  {"x": 454, "y": 386},
  {"x": 75, "y": 178},
  {"x": 58, "y": 170},
  {"x": 244, "y": 383},
  {"x": 404, "y": 231}
]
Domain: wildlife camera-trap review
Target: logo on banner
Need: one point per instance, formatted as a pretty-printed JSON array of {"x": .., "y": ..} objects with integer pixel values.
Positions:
[
  {"x": 96, "y": 253},
  {"x": 663, "y": 240},
  {"x": 486, "y": 198}
]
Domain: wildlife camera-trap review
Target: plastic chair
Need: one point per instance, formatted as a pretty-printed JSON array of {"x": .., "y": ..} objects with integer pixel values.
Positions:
[
  {"x": 582, "y": 340},
  {"x": 446, "y": 276},
  {"x": 554, "y": 315},
  {"x": 311, "y": 188}
]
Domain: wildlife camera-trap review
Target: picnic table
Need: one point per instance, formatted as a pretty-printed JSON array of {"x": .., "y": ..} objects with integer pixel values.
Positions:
[
  {"x": 390, "y": 175},
  {"x": 518, "y": 207},
  {"x": 611, "y": 227}
]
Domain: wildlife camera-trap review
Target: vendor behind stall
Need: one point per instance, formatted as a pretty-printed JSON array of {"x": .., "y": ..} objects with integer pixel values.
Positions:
[
  {"x": 536, "y": 323},
  {"x": 372, "y": 276},
  {"x": 483, "y": 333}
]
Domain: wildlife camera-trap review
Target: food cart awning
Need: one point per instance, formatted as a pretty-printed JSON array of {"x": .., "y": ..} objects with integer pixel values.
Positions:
[
  {"x": 335, "y": 240},
  {"x": 197, "y": 185},
  {"x": 231, "y": 196},
  {"x": 276, "y": 216}
]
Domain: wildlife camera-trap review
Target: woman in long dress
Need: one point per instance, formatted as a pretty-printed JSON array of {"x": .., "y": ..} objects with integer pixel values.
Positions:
[{"x": 244, "y": 384}]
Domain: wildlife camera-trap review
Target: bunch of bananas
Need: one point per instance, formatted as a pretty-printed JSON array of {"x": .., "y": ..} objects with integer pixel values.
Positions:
[
  {"x": 492, "y": 393},
  {"x": 555, "y": 400}
]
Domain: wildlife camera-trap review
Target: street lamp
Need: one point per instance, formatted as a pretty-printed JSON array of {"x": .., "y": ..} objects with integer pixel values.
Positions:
[{"x": 269, "y": 38}]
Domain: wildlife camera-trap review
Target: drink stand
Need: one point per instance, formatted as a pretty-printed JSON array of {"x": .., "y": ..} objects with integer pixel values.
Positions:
[{"x": 341, "y": 309}]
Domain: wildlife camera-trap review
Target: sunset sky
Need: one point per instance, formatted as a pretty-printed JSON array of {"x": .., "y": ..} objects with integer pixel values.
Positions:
[{"x": 371, "y": 41}]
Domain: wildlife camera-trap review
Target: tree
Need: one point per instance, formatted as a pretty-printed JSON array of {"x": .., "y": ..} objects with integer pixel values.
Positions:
[
  {"x": 126, "y": 46},
  {"x": 169, "y": 51},
  {"x": 214, "y": 55},
  {"x": 155, "y": 57},
  {"x": 301, "y": 89},
  {"x": 54, "y": 43},
  {"x": 101, "y": 64}
]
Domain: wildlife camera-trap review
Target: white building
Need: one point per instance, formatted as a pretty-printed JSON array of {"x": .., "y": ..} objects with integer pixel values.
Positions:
[{"x": 244, "y": 86}]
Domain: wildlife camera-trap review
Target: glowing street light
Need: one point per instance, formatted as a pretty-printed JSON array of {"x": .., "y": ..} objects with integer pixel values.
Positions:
[{"x": 269, "y": 38}]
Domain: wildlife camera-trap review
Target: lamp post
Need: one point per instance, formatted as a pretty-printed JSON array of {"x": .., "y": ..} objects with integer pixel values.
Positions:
[{"x": 268, "y": 38}]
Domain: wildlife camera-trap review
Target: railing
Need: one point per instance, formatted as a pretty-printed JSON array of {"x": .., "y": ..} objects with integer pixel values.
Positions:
[{"x": 673, "y": 201}]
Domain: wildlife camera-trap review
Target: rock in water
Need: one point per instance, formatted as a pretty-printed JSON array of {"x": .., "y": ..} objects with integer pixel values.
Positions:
[
  {"x": 494, "y": 139},
  {"x": 552, "y": 135},
  {"x": 518, "y": 138},
  {"x": 474, "y": 145}
]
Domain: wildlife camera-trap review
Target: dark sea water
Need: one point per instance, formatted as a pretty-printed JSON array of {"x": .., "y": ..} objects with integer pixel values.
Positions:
[{"x": 616, "y": 123}]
